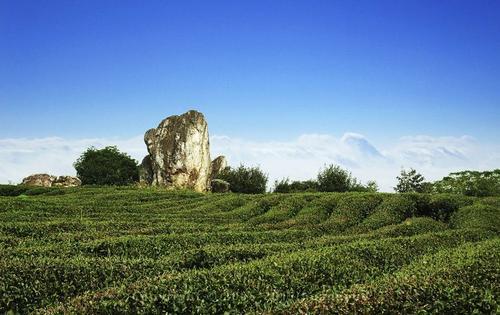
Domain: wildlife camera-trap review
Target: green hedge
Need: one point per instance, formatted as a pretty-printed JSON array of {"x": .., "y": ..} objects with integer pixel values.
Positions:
[
  {"x": 477, "y": 216},
  {"x": 12, "y": 190},
  {"x": 463, "y": 280},
  {"x": 269, "y": 283}
]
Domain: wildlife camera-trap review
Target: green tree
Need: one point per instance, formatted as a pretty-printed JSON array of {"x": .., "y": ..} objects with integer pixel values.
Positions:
[
  {"x": 371, "y": 186},
  {"x": 470, "y": 183},
  {"x": 335, "y": 178},
  {"x": 247, "y": 180},
  {"x": 106, "y": 166},
  {"x": 409, "y": 181}
]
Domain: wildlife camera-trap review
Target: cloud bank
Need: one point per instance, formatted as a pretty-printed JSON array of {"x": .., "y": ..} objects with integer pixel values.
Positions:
[{"x": 300, "y": 158}]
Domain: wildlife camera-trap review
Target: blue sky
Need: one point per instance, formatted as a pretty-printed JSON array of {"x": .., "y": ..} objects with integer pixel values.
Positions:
[{"x": 260, "y": 71}]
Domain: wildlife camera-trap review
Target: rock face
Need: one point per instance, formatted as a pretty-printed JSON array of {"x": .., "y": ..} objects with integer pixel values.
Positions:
[
  {"x": 179, "y": 154},
  {"x": 46, "y": 180},
  {"x": 218, "y": 164},
  {"x": 146, "y": 171},
  {"x": 67, "y": 181}
]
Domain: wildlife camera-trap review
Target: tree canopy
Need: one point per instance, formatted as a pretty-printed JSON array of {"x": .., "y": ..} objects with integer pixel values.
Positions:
[{"x": 106, "y": 166}]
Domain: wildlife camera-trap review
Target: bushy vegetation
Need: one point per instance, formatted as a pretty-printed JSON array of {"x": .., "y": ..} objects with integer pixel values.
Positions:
[
  {"x": 470, "y": 183},
  {"x": 410, "y": 181},
  {"x": 125, "y": 250},
  {"x": 13, "y": 190},
  {"x": 106, "y": 166},
  {"x": 332, "y": 178},
  {"x": 287, "y": 186},
  {"x": 246, "y": 180}
]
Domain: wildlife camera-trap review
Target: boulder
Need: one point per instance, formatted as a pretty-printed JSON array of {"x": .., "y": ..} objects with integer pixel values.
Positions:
[
  {"x": 43, "y": 180},
  {"x": 220, "y": 186},
  {"x": 218, "y": 164},
  {"x": 179, "y": 152},
  {"x": 67, "y": 181},
  {"x": 146, "y": 171},
  {"x": 46, "y": 180}
]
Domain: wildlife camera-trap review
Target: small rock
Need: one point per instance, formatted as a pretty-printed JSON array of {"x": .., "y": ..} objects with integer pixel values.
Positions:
[
  {"x": 46, "y": 180},
  {"x": 220, "y": 186},
  {"x": 43, "y": 180},
  {"x": 218, "y": 165},
  {"x": 146, "y": 171},
  {"x": 67, "y": 181}
]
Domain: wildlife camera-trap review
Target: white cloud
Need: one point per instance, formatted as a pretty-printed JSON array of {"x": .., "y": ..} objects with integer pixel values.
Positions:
[{"x": 300, "y": 158}]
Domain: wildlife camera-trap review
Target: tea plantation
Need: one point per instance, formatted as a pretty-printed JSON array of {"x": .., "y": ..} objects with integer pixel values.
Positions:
[{"x": 130, "y": 250}]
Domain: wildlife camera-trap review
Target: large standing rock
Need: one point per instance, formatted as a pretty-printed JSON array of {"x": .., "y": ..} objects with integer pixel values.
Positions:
[
  {"x": 44, "y": 180},
  {"x": 218, "y": 164},
  {"x": 179, "y": 152},
  {"x": 67, "y": 181}
]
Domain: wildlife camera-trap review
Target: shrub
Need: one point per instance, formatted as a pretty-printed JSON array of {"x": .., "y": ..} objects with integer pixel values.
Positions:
[
  {"x": 37, "y": 191},
  {"x": 286, "y": 209},
  {"x": 106, "y": 166},
  {"x": 453, "y": 281},
  {"x": 285, "y": 186},
  {"x": 412, "y": 226},
  {"x": 247, "y": 180},
  {"x": 12, "y": 190},
  {"x": 55, "y": 192},
  {"x": 442, "y": 206},
  {"x": 350, "y": 210},
  {"x": 409, "y": 181},
  {"x": 334, "y": 178},
  {"x": 477, "y": 216},
  {"x": 394, "y": 209},
  {"x": 268, "y": 283}
]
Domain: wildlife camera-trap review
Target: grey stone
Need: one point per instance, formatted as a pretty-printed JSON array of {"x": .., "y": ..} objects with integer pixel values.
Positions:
[
  {"x": 146, "y": 171},
  {"x": 67, "y": 181},
  {"x": 218, "y": 165},
  {"x": 220, "y": 186},
  {"x": 46, "y": 180},
  {"x": 179, "y": 152},
  {"x": 43, "y": 180}
]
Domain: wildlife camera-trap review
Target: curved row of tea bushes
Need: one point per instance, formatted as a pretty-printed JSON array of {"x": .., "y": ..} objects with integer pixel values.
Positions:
[
  {"x": 269, "y": 283},
  {"x": 477, "y": 216},
  {"x": 45, "y": 280},
  {"x": 462, "y": 280}
]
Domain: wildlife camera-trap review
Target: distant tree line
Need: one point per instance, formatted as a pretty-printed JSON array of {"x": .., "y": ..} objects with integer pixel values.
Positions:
[
  {"x": 332, "y": 178},
  {"x": 469, "y": 183},
  {"x": 109, "y": 166}
]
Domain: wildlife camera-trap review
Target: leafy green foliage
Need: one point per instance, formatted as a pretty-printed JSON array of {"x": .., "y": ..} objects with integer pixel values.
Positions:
[
  {"x": 333, "y": 178},
  {"x": 112, "y": 250},
  {"x": 106, "y": 166},
  {"x": 470, "y": 183},
  {"x": 461, "y": 280},
  {"x": 246, "y": 180},
  {"x": 410, "y": 181},
  {"x": 287, "y": 186},
  {"x": 12, "y": 190}
]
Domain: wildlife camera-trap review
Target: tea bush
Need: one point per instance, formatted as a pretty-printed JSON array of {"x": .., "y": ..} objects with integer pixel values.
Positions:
[
  {"x": 111, "y": 250},
  {"x": 463, "y": 280}
]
